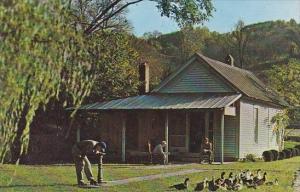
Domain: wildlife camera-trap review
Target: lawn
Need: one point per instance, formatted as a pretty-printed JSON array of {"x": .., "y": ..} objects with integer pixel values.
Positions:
[
  {"x": 290, "y": 144},
  {"x": 62, "y": 177}
]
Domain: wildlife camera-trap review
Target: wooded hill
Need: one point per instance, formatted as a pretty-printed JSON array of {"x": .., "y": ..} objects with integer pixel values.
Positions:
[{"x": 257, "y": 47}]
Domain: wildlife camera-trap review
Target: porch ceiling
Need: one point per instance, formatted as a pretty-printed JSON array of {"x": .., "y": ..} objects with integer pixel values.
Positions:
[{"x": 166, "y": 101}]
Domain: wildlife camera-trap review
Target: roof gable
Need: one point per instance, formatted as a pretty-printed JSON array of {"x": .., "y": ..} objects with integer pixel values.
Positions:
[
  {"x": 245, "y": 81},
  {"x": 220, "y": 77},
  {"x": 195, "y": 77}
]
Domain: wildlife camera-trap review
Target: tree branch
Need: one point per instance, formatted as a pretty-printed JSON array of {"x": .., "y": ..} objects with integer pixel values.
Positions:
[
  {"x": 99, "y": 17},
  {"x": 99, "y": 20}
]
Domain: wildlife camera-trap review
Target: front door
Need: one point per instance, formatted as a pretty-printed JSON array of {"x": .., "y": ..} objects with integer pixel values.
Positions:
[{"x": 197, "y": 131}]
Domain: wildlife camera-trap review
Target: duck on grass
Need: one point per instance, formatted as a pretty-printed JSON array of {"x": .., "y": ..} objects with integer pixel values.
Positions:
[{"x": 232, "y": 182}]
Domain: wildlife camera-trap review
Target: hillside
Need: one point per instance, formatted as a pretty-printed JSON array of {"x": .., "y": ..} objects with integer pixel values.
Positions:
[{"x": 265, "y": 44}]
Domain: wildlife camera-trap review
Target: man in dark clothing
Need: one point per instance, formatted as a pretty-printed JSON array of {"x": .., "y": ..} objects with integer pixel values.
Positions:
[
  {"x": 79, "y": 152},
  {"x": 206, "y": 149}
]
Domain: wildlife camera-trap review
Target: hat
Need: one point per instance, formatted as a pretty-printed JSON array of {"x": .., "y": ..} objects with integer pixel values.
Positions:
[{"x": 102, "y": 144}]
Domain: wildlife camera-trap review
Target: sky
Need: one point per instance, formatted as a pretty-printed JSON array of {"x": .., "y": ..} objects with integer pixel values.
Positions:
[{"x": 146, "y": 18}]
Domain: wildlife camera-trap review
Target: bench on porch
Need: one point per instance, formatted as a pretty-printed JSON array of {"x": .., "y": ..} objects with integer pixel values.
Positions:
[{"x": 134, "y": 156}]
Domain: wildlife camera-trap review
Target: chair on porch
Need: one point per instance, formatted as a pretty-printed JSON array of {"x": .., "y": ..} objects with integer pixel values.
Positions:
[{"x": 205, "y": 156}]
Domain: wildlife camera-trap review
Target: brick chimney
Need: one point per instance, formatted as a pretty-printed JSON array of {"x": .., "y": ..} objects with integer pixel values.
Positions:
[
  {"x": 229, "y": 60},
  {"x": 144, "y": 78}
]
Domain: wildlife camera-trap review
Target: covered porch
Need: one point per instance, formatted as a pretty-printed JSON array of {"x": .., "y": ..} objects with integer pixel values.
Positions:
[{"x": 183, "y": 121}]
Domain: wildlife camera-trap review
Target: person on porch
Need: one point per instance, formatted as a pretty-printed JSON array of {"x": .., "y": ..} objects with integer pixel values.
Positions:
[
  {"x": 79, "y": 152},
  {"x": 158, "y": 153},
  {"x": 206, "y": 149}
]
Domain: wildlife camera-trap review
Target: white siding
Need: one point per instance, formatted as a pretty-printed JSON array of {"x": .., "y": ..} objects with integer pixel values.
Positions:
[
  {"x": 230, "y": 138},
  {"x": 196, "y": 78},
  {"x": 266, "y": 138}
]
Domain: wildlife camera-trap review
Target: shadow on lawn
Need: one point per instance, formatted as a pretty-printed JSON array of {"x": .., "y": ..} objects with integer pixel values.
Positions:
[{"x": 41, "y": 185}]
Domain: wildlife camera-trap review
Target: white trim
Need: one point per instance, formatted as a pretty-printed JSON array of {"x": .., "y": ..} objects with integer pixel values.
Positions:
[
  {"x": 167, "y": 136},
  {"x": 222, "y": 136}
]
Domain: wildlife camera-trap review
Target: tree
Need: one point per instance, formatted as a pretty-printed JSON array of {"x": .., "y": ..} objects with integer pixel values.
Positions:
[
  {"x": 285, "y": 80},
  {"x": 40, "y": 54},
  {"x": 241, "y": 36},
  {"x": 116, "y": 73},
  {"x": 183, "y": 12},
  {"x": 192, "y": 41},
  {"x": 280, "y": 122}
]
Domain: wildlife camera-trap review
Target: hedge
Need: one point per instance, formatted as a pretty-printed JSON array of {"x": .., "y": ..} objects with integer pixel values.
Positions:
[
  {"x": 297, "y": 151},
  {"x": 287, "y": 153},
  {"x": 275, "y": 154},
  {"x": 268, "y": 156},
  {"x": 281, "y": 155}
]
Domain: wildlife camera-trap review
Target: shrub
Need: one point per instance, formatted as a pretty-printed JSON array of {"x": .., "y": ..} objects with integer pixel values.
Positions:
[
  {"x": 275, "y": 155},
  {"x": 267, "y": 155},
  {"x": 250, "y": 157},
  {"x": 281, "y": 155},
  {"x": 287, "y": 153},
  {"x": 296, "y": 151},
  {"x": 291, "y": 150}
]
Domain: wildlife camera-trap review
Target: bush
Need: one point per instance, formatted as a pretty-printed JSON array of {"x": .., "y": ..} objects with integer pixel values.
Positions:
[
  {"x": 281, "y": 155},
  {"x": 275, "y": 154},
  {"x": 250, "y": 157},
  {"x": 291, "y": 150},
  {"x": 294, "y": 152},
  {"x": 297, "y": 151},
  {"x": 287, "y": 153},
  {"x": 267, "y": 155}
]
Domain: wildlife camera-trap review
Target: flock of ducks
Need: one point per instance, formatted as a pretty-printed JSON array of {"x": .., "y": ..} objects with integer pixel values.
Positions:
[{"x": 231, "y": 183}]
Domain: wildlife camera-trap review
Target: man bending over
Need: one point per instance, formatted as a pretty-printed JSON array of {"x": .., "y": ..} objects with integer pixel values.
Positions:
[
  {"x": 79, "y": 152},
  {"x": 158, "y": 152}
]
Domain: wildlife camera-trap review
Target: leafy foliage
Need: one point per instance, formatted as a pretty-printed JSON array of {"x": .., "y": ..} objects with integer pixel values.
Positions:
[
  {"x": 40, "y": 54},
  {"x": 187, "y": 12},
  {"x": 280, "y": 122},
  {"x": 285, "y": 80}
]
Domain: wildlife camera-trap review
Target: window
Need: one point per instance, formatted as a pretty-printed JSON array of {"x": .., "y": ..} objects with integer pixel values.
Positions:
[{"x": 256, "y": 124}]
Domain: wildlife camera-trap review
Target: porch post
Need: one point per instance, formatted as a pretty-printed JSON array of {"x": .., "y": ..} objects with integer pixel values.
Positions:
[
  {"x": 187, "y": 131},
  {"x": 167, "y": 135},
  {"x": 206, "y": 123},
  {"x": 123, "y": 138},
  {"x": 222, "y": 137}
]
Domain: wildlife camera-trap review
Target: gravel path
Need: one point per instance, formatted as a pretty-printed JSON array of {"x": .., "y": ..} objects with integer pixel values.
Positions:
[{"x": 152, "y": 177}]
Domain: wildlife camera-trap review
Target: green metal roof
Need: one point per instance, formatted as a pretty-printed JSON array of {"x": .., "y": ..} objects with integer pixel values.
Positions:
[{"x": 166, "y": 101}]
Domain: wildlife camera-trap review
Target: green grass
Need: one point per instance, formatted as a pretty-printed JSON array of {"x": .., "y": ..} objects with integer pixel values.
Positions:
[
  {"x": 63, "y": 178},
  {"x": 290, "y": 144}
]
